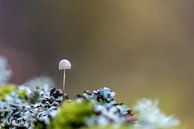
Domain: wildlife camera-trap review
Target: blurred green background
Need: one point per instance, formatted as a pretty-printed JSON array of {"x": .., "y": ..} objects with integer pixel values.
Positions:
[{"x": 137, "y": 48}]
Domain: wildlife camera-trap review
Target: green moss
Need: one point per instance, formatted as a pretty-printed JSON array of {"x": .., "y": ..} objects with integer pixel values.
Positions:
[
  {"x": 35, "y": 97},
  {"x": 22, "y": 93},
  {"x": 39, "y": 125},
  {"x": 5, "y": 90},
  {"x": 72, "y": 115},
  {"x": 110, "y": 127},
  {"x": 119, "y": 127}
]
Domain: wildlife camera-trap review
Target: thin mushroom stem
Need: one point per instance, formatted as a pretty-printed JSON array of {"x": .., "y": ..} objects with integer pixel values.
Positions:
[{"x": 63, "y": 88}]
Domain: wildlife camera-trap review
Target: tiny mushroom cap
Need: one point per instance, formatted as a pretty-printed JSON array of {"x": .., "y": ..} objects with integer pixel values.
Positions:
[{"x": 64, "y": 64}]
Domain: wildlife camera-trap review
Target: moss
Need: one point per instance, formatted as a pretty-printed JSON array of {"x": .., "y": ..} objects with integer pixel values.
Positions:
[
  {"x": 39, "y": 125},
  {"x": 5, "y": 90},
  {"x": 72, "y": 115},
  {"x": 35, "y": 97},
  {"x": 22, "y": 93},
  {"x": 110, "y": 127}
]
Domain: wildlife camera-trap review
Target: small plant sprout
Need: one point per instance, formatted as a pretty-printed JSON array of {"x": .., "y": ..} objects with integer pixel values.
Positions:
[{"x": 64, "y": 64}]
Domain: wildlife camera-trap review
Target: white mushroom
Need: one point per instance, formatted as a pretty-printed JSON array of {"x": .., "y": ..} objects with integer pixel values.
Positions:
[{"x": 64, "y": 64}]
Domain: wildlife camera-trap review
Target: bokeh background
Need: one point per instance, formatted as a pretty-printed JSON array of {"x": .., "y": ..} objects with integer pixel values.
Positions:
[{"x": 137, "y": 48}]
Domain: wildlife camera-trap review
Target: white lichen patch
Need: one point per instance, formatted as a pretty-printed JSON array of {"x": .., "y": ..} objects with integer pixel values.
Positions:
[
  {"x": 5, "y": 72},
  {"x": 40, "y": 82},
  {"x": 150, "y": 116}
]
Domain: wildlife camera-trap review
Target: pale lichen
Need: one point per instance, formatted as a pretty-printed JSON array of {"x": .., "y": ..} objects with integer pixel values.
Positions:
[
  {"x": 5, "y": 71},
  {"x": 150, "y": 116}
]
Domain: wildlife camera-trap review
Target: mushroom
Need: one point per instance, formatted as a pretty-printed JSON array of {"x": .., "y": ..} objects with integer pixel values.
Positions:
[{"x": 64, "y": 64}]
